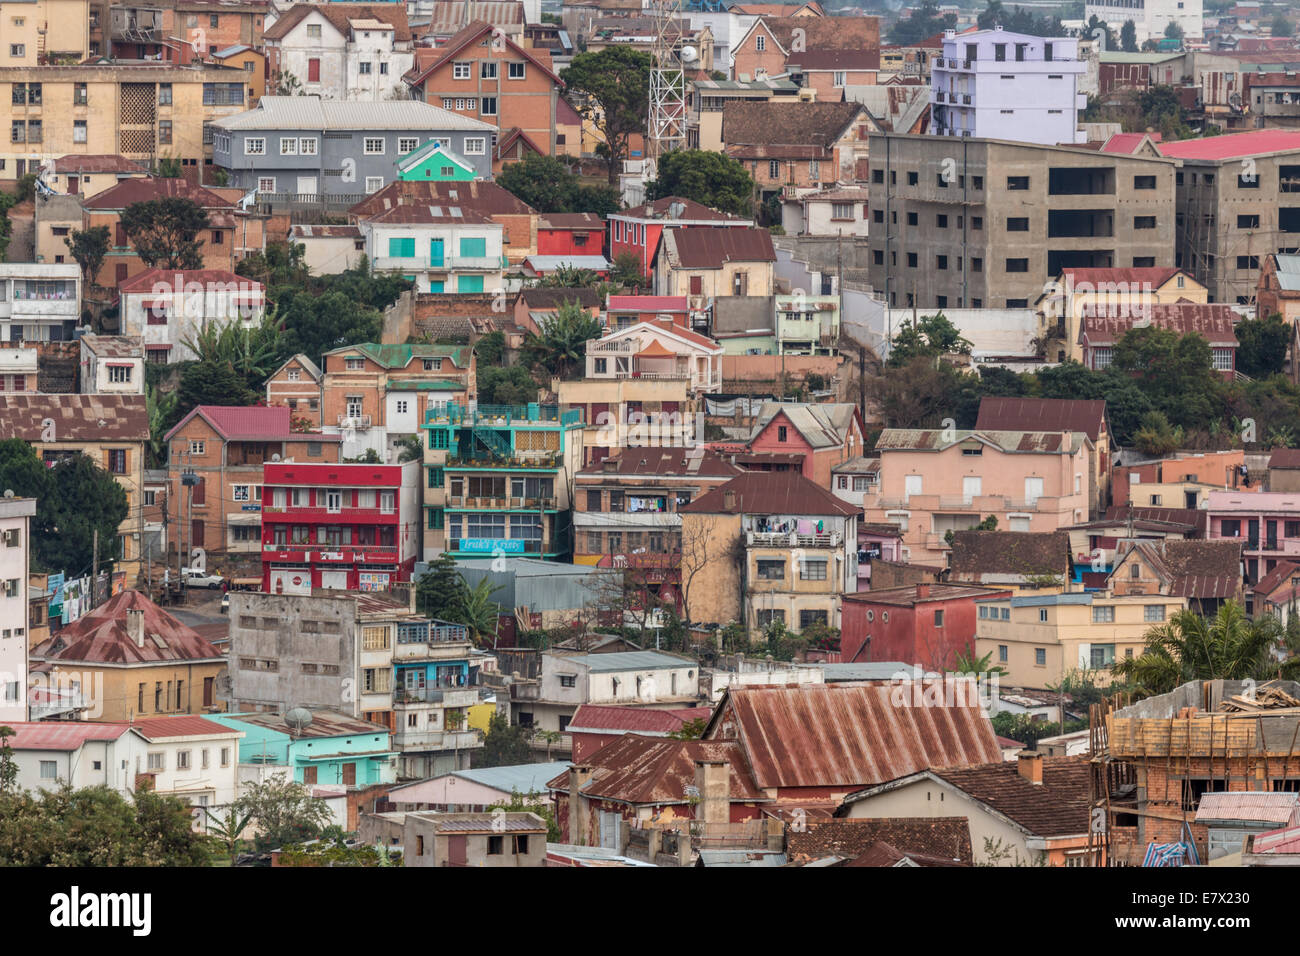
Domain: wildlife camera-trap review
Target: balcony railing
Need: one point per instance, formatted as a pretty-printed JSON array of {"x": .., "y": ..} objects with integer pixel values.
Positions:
[
  {"x": 501, "y": 416},
  {"x": 446, "y": 263},
  {"x": 764, "y": 539},
  {"x": 654, "y": 376},
  {"x": 405, "y": 739},
  {"x": 354, "y": 421},
  {"x": 448, "y": 695},
  {"x": 501, "y": 504},
  {"x": 619, "y": 346}
]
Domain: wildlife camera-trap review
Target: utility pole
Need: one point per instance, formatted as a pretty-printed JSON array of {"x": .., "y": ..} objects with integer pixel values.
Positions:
[{"x": 94, "y": 570}]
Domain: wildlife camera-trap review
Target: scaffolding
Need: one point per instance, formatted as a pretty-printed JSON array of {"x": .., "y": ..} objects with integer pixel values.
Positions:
[{"x": 667, "y": 120}]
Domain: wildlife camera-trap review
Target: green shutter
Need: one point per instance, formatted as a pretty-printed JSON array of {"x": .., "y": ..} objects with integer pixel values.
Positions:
[
  {"x": 401, "y": 248},
  {"x": 473, "y": 247},
  {"x": 469, "y": 283},
  {"x": 435, "y": 285}
]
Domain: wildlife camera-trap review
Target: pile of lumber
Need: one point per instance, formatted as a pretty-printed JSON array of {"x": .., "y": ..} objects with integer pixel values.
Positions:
[{"x": 1267, "y": 698}]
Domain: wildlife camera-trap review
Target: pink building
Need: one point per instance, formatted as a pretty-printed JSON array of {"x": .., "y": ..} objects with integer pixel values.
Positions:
[
  {"x": 1269, "y": 521},
  {"x": 822, "y": 435},
  {"x": 933, "y": 482}
]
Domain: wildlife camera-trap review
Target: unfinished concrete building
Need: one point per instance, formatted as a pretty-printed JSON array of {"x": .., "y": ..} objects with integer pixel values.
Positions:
[
  {"x": 1154, "y": 760},
  {"x": 984, "y": 224}
]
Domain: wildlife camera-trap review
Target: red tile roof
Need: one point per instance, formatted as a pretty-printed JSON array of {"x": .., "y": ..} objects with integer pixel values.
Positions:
[
  {"x": 101, "y": 637},
  {"x": 648, "y": 303},
  {"x": 338, "y": 14},
  {"x": 178, "y": 279},
  {"x": 180, "y": 725},
  {"x": 665, "y": 462},
  {"x": 854, "y": 735},
  {"x": 714, "y": 248},
  {"x": 907, "y": 596},
  {"x": 447, "y": 52},
  {"x": 61, "y": 735},
  {"x": 130, "y": 191},
  {"x": 478, "y": 195},
  {"x": 1284, "y": 458},
  {"x": 634, "y": 720},
  {"x": 1042, "y": 415},
  {"x": 100, "y": 163},
  {"x": 941, "y": 837},
  {"x": 1156, "y": 276},
  {"x": 1127, "y": 143},
  {"x": 1255, "y": 142},
  {"x": 108, "y": 418},
  {"x": 1056, "y": 807},
  {"x": 691, "y": 211},
  {"x": 249, "y": 423},
  {"x": 771, "y": 493}
]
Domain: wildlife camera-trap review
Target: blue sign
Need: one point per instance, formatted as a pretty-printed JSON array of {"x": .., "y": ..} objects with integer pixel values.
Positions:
[
  {"x": 250, "y": 507},
  {"x": 492, "y": 545}
]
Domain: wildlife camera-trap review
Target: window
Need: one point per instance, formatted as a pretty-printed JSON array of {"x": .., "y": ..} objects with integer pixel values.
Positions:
[
  {"x": 155, "y": 762},
  {"x": 182, "y": 760},
  {"x": 812, "y": 569},
  {"x": 1144, "y": 182},
  {"x": 1247, "y": 262},
  {"x": 977, "y": 222},
  {"x": 373, "y": 146},
  {"x": 1017, "y": 265},
  {"x": 117, "y": 461},
  {"x": 488, "y": 107},
  {"x": 1017, "y": 182},
  {"x": 374, "y": 184},
  {"x": 254, "y": 146},
  {"x": 198, "y": 448},
  {"x": 49, "y": 769},
  {"x": 495, "y": 846},
  {"x": 307, "y": 146},
  {"x": 266, "y": 184},
  {"x": 363, "y": 68},
  {"x": 488, "y": 70},
  {"x": 407, "y": 144},
  {"x": 938, "y": 618},
  {"x": 774, "y": 169},
  {"x": 1003, "y": 653},
  {"x": 1018, "y": 224},
  {"x": 760, "y": 43},
  {"x": 515, "y": 71},
  {"x": 1042, "y": 615},
  {"x": 1040, "y": 657},
  {"x": 79, "y": 131},
  {"x": 771, "y": 569},
  {"x": 288, "y": 146},
  {"x": 460, "y": 71},
  {"x": 475, "y": 146},
  {"x": 17, "y": 49},
  {"x": 913, "y": 219},
  {"x": 1144, "y": 222},
  {"x": 568, "y": 680},
  {"x": 838, "y": 78},
  {"x": 1104, "y": 614},
  {"x": 1153, "y": 613}
]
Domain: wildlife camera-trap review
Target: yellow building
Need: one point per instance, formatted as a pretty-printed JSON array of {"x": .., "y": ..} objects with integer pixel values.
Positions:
[
  {"x": 129, "y": 658},
  {"x": 1076, "y": 292},
  {"x": 36, "y": 32},
  {"x": 1040, "y": 639},
  {"x": 253, "y": 65},
  {"x": 144, "y": 112},
  {"x": 607, "y": 405}
]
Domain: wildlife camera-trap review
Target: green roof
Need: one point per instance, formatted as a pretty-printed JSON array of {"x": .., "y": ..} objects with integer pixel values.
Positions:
[
  {"x": 400, "y": 356},
  {"x": 1118, "y": 57}
]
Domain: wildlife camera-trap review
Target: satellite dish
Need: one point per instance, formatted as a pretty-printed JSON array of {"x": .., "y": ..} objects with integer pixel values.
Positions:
[
  {"x": 9, "y": 492},
  {"x": 298, "y": 719},
  {"x": 275, "y": 457},
  {"x": 689, "y": 54}
]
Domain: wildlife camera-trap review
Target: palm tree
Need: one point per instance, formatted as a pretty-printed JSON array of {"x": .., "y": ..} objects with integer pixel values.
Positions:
[
  {"x": 478, "y": 611},
  {"x": 561, "y": 346},
  {"x": 253, "y": 351},
  {"x": 550, "y": 738},
  {"x": 569, "y": 277},
  {"x": 229, "y": 830},
  {"x": 411, "y": 450},
  {"x": 968, "y": 663},
  {"x": 1191, "y": 647},
  {"x": 160, "y": 406}
]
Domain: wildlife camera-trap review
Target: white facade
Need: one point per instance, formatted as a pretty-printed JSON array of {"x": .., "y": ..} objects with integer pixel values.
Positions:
[
  {"x": 442, "y": 256},
  {"x": 1149, "y": 16},
  {"x": 993, "y": 84},
  {"x": 365, "y": 64},
  {"x": 821, "y": 214},
  {"x": 201, "y": 769},
  {"x": 656, "y": 351},
  {"x": 16, "y": 368},
  {"x": 92, "y": 763},
  {"x": 39, "y": 301},
  {"x": 113, "y": 370},
  {"x": 165, "y": 319},
  {"x": 15, "y": 525}
]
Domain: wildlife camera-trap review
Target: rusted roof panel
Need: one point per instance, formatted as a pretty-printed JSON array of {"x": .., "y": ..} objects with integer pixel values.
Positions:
[
  {"x": 656, "y": 771},
  {"x": 853, "y": 735}
]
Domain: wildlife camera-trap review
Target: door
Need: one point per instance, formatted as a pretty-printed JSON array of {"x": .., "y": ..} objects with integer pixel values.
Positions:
[
  {"x": 1033, "y": 490},
  {"x": 912, "y": 486},
  {"x": 74, "y": 183},
  {"x": 307, "y": 185},
  {"x": 196, "y": 533},
  {"x": 350, "y": 774},
  {"x": 609, "y": 822},
  {"x": 971, "y": 489},
  {"x": 456, "y": 855},
  {"x": 309, "y": 774},
  {"x": 209, "y": 699},
  {"x": 435, "y": 252},
  {"x": 337, "y": 580},
  {"x": 313, "y": 70}
]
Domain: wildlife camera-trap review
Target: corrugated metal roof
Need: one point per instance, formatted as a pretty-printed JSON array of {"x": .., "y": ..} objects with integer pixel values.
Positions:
[
  {"x": 932, "y": 439},
  {"x": 61, "y": 735},
  {"x": 524, "y": 778},
  {"x": 487, "y": 822},
  {"x": 625, "y": 661},
  {"x": 1255, "y": 142},
  {"x": 1042, "y": 414},
  {"x": 871, "y": 670},
  {"x": 1286, "y": 840},
  {"x": 324, "y": 723},
  {"x": 101, "y": 637},
  {"x": 854, "y": 735},
  {"x": 313, "y": 113},
  {"x": 655, "y": 771},
  {"x": 591, "y": 718},
  {"x": 181, "y": 725},
  {"x": 1249, "y": 806},
  {"x": 771, "y": 493}
]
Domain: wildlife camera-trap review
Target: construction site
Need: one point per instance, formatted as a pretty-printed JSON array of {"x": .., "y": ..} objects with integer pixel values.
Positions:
[{"x": 1154, "y": 760}]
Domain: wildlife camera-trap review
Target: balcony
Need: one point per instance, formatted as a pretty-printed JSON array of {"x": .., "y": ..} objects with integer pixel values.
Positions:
[
  {"x": 410, "y": 740},
  {"x": 526, "y": 690},
  {"x": 501, "y": 416},
  {"x": 616, "y": 347},
  {"x": 761, "y": 539},
  {"x": 360, "y": 422},
  {"x": 443, "y": 263},
  {"x": 471, "y": 503},
  {"x": 448, "y": 696}
]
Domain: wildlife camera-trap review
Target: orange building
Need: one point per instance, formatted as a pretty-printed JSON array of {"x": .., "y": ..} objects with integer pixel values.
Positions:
[
  {"x": 482, "y": 73},
  {"x": 777, "y": 46},
  {"x": 297, "y": 385}
]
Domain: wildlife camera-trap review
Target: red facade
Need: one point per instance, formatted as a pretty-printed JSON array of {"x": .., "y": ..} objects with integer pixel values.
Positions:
[{"x": 929, "y": 625}]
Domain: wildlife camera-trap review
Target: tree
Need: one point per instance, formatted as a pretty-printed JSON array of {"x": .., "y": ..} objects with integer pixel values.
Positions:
[
  {"x": 503, "y": 745},
  {"x": 8, "y": 768},
  {"x": 89, "y": 247},
  {"x": 1176, "y": 372},
  {"x": 711, "y": 178},
  {"x": 1173, "y": 31},
  {"x": 930, "y": 336},
  {"x": 478, "y": 612},
  {"x": 967, "y": 663},
  {"x": 285, "y": 83},
  {"x": 560, "y": 346},
  {"x": 1128, "y": 37},
  {"x": 1100, "y": 29},
  {"x": 315, "y": 324},
  {"x": 544, "y": 182},
  {"x": 692, "y": 729},
  {"x": 1156, "y": 437},
  {"x": 1190, "y": 647},
  {"x": 164, "y": 232},
  {"x": 512, "y": 385},
  {"x": 229, "y": 829},
  {"x": 490, "y": 349},
  {"x": 627, "y": 272},
  {"x": 924, "y": 22},
  {"x": 254, "y": 351},
  {"x": 284, "y": 810},
  {"x": 161, "y": 407},
  {"x": 612, "y": 88},
  {"x": 411, "y": 449},
  {"x": 1282, "y": 27},
  {"x": 1262, "y": 345},
  {"x": 212, "y": 383},
  {"x": 441, "y": 592},
  {"x": 532, "y": 802},
  {"x": 98, "y": 827},
  {"x": 569, "y": 277}
]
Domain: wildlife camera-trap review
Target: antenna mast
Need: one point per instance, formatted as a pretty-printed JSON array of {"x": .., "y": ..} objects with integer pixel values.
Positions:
[{"x": 666, "y": 128}]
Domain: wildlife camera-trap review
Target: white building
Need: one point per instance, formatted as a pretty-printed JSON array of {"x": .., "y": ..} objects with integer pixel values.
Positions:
[
  {"x": 79, "y": 753},
  {"x": 657, "y": 350},
  {"x": 39, "y": 301},
  {"x": 19, "y": 369},
  {"x": 1151, "y": 17},
  {"x": 15, "y": 527},
  {"x": 168, "y": 306},
  {"x": 338, "y": 58},
  {"x": 994, "y": 84},
  {"x": 841, "y": 211},
  {"x": 112, "y": 364},
  {"x": 443, "y": 248},
  {"x": 328, "y": 249},
  {"x": 192, "y": 758}
]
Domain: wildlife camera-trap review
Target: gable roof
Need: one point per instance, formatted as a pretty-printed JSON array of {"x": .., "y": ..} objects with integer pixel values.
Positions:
[
  {"x": 1057, "y": 807},
  {"x": 1215, "y": 322},
  {"x": 1255, "y": 142},
  {"x": 1042, "y": 414},
  {"x": 714, "y": 248},
  {"x": 61, "y": 736},
  {"x": 314, "y": 113},
  {"x": 646, "y": 462},
  {"x": 856, "y": 735},
  {"x": 245, "y": 422},
  {"x": 143, "y": 189},
  {"x": 180, "y": 725},
  {"x": 400, "y": 356},
  {"x": 101, "y": 637},
  {"x": 822, "y": 424},
  {"x": 592, "y": 718},
  {"x": 771, "y": 493},
  {"x": 176, "y": 281},
  {"x": 1008, "y": 442},
  {"x": 1155, "y": 276},
  {"x": 671, "y": 331},
  {"x": 475, "y": 29},
  {"x": 655, "y": 771},
  {"x": 946, "y": 838},
  {"x": 448, "y": 16},
  {"x": 1281, "y": 575},
  {"x": 307, "y": 364},
  {"x": 820, "y": 33},
  {"x": 676, "y": 209},
  {"x": 77, "y": 418},
  {"x": 426, "y": 151},
  {"x": 99, "y": 163},
  {"x": 815, "y": 126},
  {"x": 338, "y": 15},
  {"x": 977, "y": 553},
  {"x": 478, "y": 195},
  {"x": 1197, "y": 569}
]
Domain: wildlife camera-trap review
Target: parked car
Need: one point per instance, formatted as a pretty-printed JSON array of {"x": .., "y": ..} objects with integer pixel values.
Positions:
[{"x": 197, "y": 578}]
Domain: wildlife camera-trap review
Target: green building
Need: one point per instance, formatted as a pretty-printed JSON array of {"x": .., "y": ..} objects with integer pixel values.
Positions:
[{"x": 434, "y": 162}]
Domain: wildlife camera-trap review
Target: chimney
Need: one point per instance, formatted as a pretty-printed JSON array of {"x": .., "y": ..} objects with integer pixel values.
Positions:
[
  {"x": 579, "y": 820},
  {"x": 713, "y": 780},
  {"x": 1030, "y": 765},
  {"x": 135, "y": 625},
  {"x": 922, "y": 592}
]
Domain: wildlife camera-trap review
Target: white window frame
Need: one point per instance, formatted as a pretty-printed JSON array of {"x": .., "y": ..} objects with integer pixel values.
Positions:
[
  {"x": 476, "y": 146},
  {"x": 250, "y": 150},
  {"x": 448, "y": 103},
  {"x": 838, "y": 78},
  {"x": 266, "y": 184},
  {"x": 462, "y": 70},
  {"x": 374, "y": 184},
  {"x": 119, "y": 374},
  {"x": 523, "y": 70},
  {"x": 407, "y": 144},
  {"x": 307, "y": 145},
  {"x": 288, "y": 145},
  {"x": 198, "y": 447},
  {"x": 368, "y": 141}
]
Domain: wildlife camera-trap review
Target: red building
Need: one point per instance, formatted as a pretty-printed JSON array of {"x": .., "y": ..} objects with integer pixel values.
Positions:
[
  {"x": 353, "y": 527},
  {"x": 929, "y": 625},
  {"x": 639, "y": 229},
  {"x": 625, "y": 311},
  {"x": 570, "y": 234}
]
